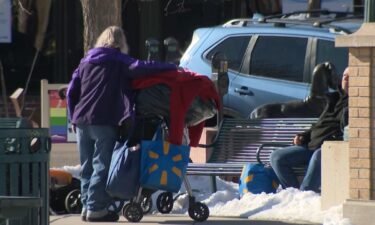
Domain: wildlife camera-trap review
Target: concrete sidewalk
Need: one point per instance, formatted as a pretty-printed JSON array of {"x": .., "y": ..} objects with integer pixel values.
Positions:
[{"x": 175, "y": 219}]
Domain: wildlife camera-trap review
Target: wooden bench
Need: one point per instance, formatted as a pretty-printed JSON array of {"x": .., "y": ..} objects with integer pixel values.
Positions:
[
  {"x": 24, "y": 169},
  {"x": 241, "y": 141}
]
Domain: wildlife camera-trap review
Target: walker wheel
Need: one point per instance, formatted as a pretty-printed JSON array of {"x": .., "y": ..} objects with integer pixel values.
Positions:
[
  {"x": 73, "y": 202},
  {"x": 198, "y": 212},
  {"x": 146, "y": 204},
  {"x": 125, "y": 208},
  {"x": 164, "y": 202},
  {"x": 132, "y": 212}
]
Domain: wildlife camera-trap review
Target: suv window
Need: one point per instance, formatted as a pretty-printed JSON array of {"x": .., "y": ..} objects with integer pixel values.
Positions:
[
  {"x": 234, "y": 48},
  {"x": 326, "y": 51},
  {"x": 279, "y": 57}
]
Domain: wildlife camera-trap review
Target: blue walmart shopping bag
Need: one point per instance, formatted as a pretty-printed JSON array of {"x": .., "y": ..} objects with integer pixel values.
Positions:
[
  {"x": 163, "y": 165},
  {"x": 257, "y": 178}
]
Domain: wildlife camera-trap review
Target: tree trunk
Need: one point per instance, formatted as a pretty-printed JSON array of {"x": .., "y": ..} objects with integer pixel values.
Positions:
[
  {"x": 26, "y": 14},
  {"x": 98, "y": 15},
  {"x": 42, "y": 8},
  {"x": 3, "y": 92},
  {"x": 314, "y": 4}
]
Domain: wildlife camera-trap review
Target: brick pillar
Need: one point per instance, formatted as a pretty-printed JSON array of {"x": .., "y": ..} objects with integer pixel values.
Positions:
[{"x": 361, "y": 111}]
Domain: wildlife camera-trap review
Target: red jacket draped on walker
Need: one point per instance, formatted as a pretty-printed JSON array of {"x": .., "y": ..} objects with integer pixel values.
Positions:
[{"x": 185, "y": 86}]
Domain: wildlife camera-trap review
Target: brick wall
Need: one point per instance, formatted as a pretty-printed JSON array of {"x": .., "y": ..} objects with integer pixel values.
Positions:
[
  {"x": 361, "y": 110},
  {"x": 360, "y": 122}
]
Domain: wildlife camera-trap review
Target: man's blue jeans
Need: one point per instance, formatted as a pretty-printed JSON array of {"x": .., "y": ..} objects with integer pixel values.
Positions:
[
  {"x": 95, "y": 144},
  {"x": 283, "y": 160}
]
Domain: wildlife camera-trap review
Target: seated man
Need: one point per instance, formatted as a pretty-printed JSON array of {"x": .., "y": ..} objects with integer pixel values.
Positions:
[{"x": 307, "y": 146}]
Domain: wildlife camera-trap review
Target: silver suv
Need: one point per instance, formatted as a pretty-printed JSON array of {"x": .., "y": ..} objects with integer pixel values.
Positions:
[{"x": 270, "y": 59}]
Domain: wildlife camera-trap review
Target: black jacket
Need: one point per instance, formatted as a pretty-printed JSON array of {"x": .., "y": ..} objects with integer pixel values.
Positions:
[{"x": 331, "y": 123}]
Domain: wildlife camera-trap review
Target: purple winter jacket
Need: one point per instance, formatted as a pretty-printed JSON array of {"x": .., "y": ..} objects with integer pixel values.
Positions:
[{"x": 100, "y": 91}]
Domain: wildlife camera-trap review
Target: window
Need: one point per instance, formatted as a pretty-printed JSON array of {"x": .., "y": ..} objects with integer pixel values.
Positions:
[
  {"x": 326, "y": 51},
  {"x": 234, "y": 48},
  {"x": 279, "y": 57}
]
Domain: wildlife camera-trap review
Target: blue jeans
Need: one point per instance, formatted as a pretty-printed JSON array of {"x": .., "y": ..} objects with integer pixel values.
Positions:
[
  {"x": 95, "y": 144},
  {"x": 283, "y": 160}
]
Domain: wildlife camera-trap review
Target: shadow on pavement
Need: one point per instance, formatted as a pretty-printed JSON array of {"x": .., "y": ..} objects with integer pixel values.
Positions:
[{"x": 235, "y": 221}]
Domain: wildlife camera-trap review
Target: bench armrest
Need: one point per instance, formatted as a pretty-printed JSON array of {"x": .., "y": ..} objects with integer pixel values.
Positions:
[{"x": 270, "y": 144}]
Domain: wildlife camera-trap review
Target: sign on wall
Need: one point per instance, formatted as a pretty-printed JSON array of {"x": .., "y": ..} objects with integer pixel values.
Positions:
[
  {"x": 5, "y": 21},
  {"x": 58, "y": 120},
  {"x": 54, "y": 113}
]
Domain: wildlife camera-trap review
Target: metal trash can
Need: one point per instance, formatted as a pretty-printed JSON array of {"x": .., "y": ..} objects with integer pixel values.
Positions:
[{"x": 24, "y": 170}]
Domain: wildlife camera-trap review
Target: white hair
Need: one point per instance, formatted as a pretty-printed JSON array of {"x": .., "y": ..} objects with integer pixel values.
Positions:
[{"x": 113, "y": 37}]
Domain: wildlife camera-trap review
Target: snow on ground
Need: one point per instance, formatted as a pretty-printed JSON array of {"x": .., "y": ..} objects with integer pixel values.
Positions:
[{"x": 288, "y": 205}]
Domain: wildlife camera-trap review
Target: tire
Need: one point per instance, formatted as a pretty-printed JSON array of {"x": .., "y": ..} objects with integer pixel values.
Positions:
[
  {"x": 146, "y": 204},
  {"x": 164, "y": 202},
  {"x": 132, "y": 212},
  {"x": 124, "y": 208},
  {"x": 73, "y": 203},
  {"x": 198, "y": 212}
]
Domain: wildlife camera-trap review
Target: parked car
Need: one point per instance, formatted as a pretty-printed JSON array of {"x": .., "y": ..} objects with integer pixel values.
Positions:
[{"x": 270, "y": 59}]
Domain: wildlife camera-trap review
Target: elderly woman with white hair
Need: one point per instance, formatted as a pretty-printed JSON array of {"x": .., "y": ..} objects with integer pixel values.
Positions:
[{"x": 100, "y": 99}]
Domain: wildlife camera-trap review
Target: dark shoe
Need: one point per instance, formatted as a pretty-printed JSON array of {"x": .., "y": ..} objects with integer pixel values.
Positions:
[
  {"x": 110, "y": 217},
  {"x": 83, "y": 218}
]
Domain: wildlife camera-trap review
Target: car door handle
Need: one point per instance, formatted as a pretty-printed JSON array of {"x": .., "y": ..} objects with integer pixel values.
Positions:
[{"x": 244, "y": 91}]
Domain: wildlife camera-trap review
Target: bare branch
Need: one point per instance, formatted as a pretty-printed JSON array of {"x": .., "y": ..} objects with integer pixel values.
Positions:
[{"x": 178, "y": 8}]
